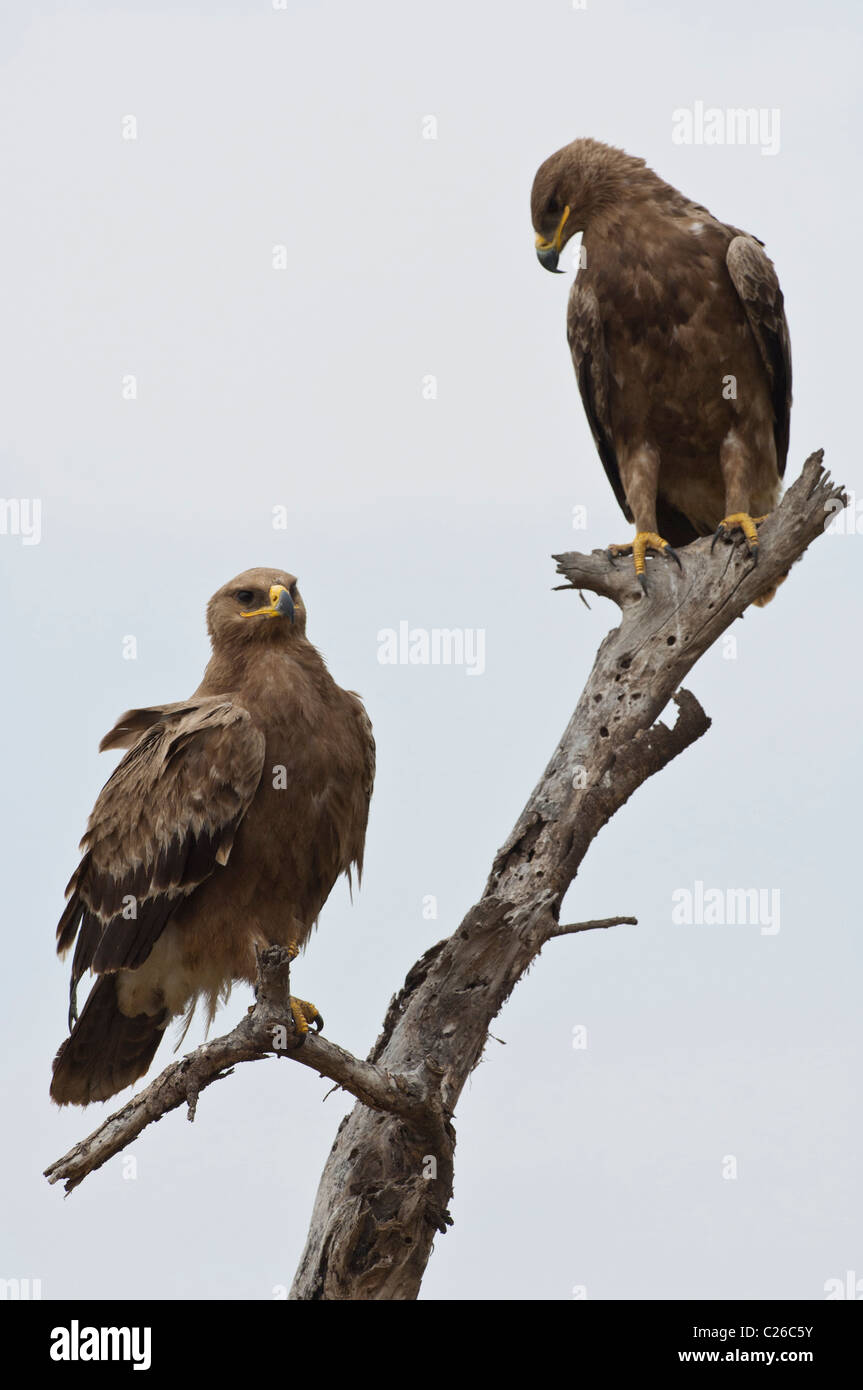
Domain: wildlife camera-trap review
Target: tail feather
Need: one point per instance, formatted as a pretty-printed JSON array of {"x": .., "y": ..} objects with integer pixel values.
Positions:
[{"x": 106, "y": 1051}]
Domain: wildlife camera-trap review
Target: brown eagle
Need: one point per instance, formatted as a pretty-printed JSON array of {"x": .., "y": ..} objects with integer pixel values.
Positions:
[
  {"x": 222, "y": 829},
  {"x": 680, "y": 345}
]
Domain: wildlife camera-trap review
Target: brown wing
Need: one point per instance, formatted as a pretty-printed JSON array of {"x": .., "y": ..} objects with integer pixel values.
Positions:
[
  {"x": 754, "y": 279},
  {"x": 369, "y": 750},
  {"x": 368, "y": 781},
  {"x": 589, "y": 357},
  {"x": 135, "y": 722},
  {"x": 163, "y": 821}
]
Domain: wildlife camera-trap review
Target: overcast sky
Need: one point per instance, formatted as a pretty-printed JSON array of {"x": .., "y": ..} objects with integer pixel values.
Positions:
[{"x": 282, "y": 294}]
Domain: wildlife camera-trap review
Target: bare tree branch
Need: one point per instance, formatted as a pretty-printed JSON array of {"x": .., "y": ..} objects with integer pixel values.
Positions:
[
  {"x": 266, "y": 1030},
  {"x": 599, "y": 922},
  {"x": 388, "y": 1180}
]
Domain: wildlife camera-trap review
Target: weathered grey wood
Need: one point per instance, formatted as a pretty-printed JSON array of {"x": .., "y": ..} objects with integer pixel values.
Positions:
[{"x": 377, "y": 1210}]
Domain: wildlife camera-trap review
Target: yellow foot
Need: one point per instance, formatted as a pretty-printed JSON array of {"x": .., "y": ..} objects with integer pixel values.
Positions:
[
  {"x": 745, "y": 523},
  {"x": 303, "y": 1013},
  {"x": 644, "y": 541}
]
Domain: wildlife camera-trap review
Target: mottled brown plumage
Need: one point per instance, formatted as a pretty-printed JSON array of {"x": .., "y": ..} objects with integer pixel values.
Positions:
[
  {"x": 679, "y": 342},
  {"x": 223, "y": 829}
]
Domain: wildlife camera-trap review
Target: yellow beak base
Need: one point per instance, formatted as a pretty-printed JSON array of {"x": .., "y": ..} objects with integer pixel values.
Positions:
[
  {"x": 281, "y": 605},
  {"x": 543, "y": 245}
]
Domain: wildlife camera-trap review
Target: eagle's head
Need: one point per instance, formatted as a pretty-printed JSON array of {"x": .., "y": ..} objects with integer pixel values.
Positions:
[
  {"x": 258, "y": 606},
  {"x": 571, "y": 187}
]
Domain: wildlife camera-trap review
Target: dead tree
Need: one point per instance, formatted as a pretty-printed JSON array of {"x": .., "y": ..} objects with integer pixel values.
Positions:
[{"x": 387, "y": 1183}]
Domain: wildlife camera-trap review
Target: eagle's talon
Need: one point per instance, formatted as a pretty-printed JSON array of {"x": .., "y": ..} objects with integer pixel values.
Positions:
[
  {"x": 638, "y": 548},
  {"x": 740, "y": 521},
  {"x": 303, "y": 1014}
]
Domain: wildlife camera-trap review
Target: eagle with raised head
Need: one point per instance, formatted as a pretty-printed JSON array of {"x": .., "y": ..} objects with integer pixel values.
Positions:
[
  {"x": 222, "y": 830},
  {"x": 680, "y": 345}
]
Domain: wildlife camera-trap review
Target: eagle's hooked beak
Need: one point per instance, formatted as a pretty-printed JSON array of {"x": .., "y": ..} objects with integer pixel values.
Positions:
[
  {"x": 548, "y": 252},
  {"x": 281, "y": 605}
]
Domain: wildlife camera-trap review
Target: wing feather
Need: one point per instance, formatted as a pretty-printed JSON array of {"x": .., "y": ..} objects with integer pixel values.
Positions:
[
  {"x": 590, "y": 358},
  {"x": 164, "y": 819},
  {"x": 754, "y": 278}
]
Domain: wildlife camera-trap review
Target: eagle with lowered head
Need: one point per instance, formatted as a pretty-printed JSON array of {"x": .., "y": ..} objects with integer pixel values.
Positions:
[
  {"x": 222, "y": 830},
  {"x": 680, "y": 346}
]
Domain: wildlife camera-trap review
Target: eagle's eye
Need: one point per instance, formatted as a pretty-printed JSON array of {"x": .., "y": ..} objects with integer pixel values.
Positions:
[
  {"x": 293, "y": 589},
  {"x": 244, "y": 596}
]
